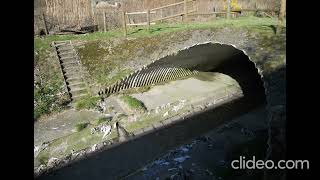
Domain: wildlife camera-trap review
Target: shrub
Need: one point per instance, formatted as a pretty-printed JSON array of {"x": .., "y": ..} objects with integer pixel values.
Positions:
[
  {"x": 87, "y": 102},
  {"x": 43, "y": 159},
  {"x": 133, "y": 102},
  {"x": 81, "y": 126}
]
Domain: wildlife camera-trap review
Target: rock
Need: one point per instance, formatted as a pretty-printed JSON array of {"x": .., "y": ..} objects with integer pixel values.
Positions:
[
  {"x": 157, "y": 162},
  {"x": 114, "y": 126},
  {"x": 172, "y": 169},
  {"x": 132, "y": 118},
  {"x": 157, "y": 110},
  {"x": 166, "y": 163},
  {"x": 166, "y": 114},
  {"x": 106, "y": 130},
  {"x": 94, "y": 130},
  {"x": 36, "y": 150},
  {"x": 183, "y": 149},
  {"x": 41, "y": 169},
  {"x": 94, "y": 147},
  {"x": 181, "y": 159},
  {"x": 53, "y": 162},
  {"x": 39, "y": 148},
  {"x": 178, "y": 107}
]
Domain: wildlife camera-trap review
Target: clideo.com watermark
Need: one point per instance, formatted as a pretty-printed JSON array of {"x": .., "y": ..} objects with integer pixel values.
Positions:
[{"x": 243, "y": 163}]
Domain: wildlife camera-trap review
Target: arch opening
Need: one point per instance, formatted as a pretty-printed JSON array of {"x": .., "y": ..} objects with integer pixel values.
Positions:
[{"x": 208, "y": 57}]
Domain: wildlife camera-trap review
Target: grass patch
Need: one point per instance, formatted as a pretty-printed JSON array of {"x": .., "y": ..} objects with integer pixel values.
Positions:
[
  {"x": 87, "y": 102},
  {"x": 246, "y": 21},
  {"x": 43, "y": 159},
  {"x": 102, "y": 120},
  {"x": 133, "y": 102},
  {"x": 81, "y": 126}
]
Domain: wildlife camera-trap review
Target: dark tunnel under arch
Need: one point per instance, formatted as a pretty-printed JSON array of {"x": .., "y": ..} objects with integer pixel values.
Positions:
[{"x": 208, "y": 57}]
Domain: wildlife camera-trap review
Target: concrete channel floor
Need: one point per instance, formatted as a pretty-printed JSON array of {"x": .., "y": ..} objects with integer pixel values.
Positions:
[{"x": 193, "y": 88}]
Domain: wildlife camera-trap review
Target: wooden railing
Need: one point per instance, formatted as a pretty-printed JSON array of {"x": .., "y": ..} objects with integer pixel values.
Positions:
[
  {"x": 184, "y": 15},
  {"x": 148, "y": 12}
]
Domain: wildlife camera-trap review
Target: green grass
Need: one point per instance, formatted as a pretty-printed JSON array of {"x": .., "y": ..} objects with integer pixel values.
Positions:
[
  {"x": 102, "y": 120},
  {"x": 249, "y": 22},
  {"x": 87, "y": 102},
  {"x": 46, "y": 99},
  {"x": 43, "y": 159},
  {"x": 79, "y": 127},
  {"x": 133, "y": 102}
]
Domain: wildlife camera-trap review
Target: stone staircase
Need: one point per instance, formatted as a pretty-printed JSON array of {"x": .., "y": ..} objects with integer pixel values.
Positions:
[{"x": 71, "y": 69}]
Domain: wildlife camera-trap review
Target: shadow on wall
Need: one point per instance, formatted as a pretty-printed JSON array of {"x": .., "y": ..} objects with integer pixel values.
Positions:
[{"x": 240, "y": 68}]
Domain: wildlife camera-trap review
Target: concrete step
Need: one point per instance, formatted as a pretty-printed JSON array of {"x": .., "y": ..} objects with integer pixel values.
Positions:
[
  {"x": 65, "y": 50},
  {"x": 67, "y": 58},
  {"x": 65, "y": 47},
  {"x": 76, "y": 85},
  {"x": 74, "y": 98},
  {"x": 73, "y": 78},
  {"x": 61, "y": 43},
  {"x": 71, "y": 73},
  {"x": 67, "y": 53},
  {"x": 79, "y": 91},
  {"x": 69, "y": 63},
  {"x": 74, "y": 81},
  {"x": 69, "y": 69}
]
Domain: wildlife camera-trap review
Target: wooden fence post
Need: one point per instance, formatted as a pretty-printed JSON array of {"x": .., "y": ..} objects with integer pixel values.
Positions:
[
  {"x": 124, "y": 23},
  {"x": 185, "y": 10},
  {"x": 45, "y": 24},
  {"x": 104, "y": 22},
  {"x": 148, "y": 19},
  {"x": 228, "y": 9},
  {"x": 281, "y": 16}
]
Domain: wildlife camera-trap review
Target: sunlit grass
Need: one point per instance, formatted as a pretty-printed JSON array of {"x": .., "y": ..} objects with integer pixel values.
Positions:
[{"x": 248, "y": 22}]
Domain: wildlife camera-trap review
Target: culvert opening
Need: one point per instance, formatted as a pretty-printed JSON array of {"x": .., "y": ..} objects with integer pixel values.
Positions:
[{"x": 220, "y": 58}]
